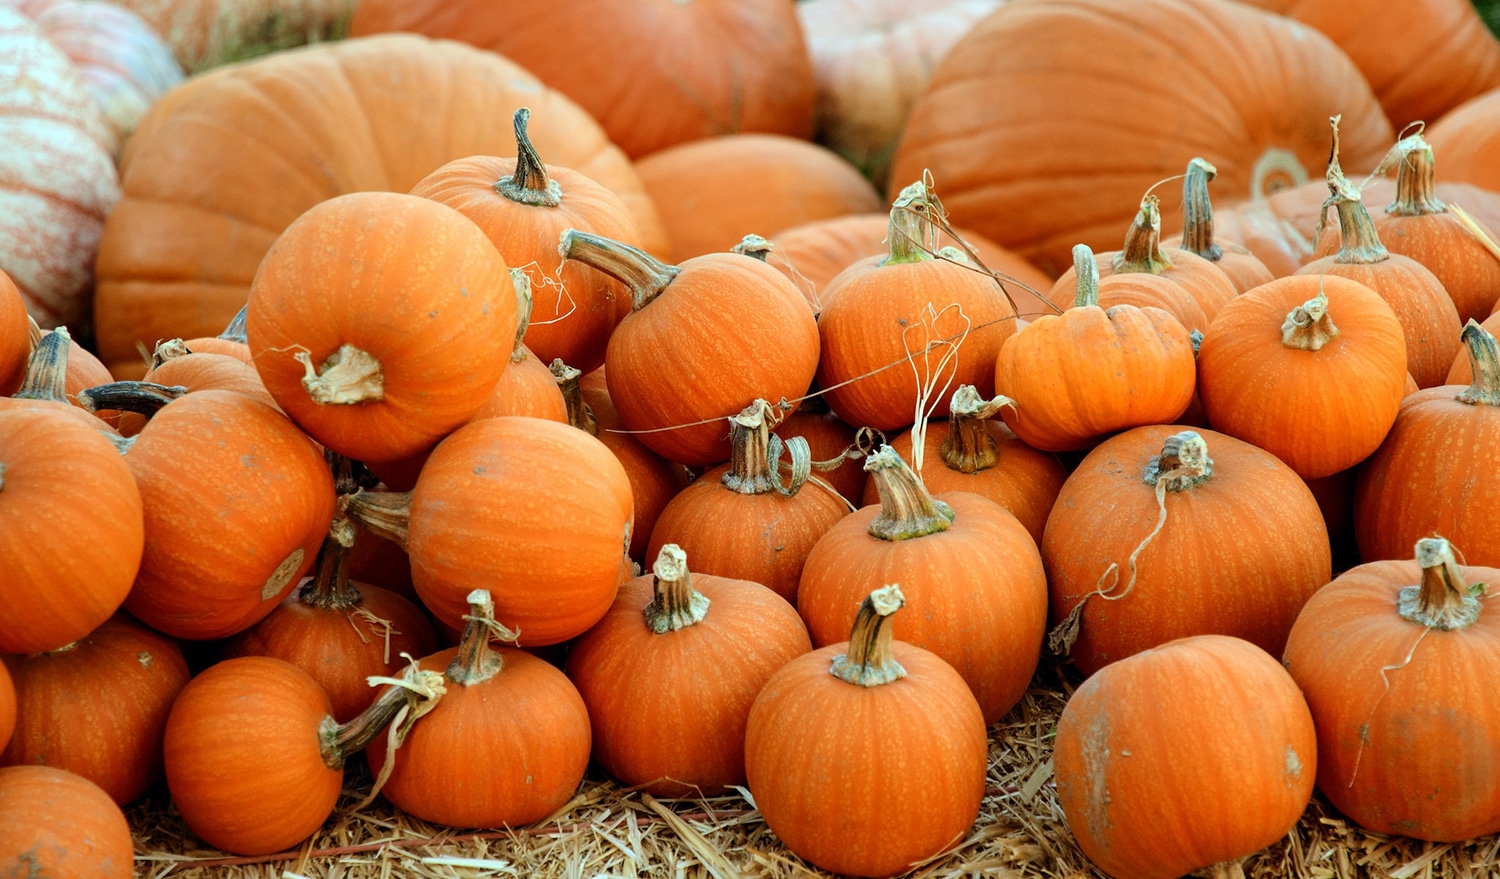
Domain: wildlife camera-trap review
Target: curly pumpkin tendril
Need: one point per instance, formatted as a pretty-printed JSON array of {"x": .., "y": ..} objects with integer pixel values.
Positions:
[{"x": 1183, "y": 464}]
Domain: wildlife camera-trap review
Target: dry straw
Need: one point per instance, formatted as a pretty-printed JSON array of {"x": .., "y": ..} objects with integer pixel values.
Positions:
[{"x": 607, "y": 831}]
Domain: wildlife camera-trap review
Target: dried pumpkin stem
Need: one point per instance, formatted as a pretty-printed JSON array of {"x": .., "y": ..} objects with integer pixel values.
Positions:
[
  {"x": 675, "y": 604},
  {"x": 1442, "y": 600},
  {"x": 1361, "y": 243},
  {"x": 385, "y": 514},
  {"x": 906, "y": 509},
  {"x": 235, "y": 331},
  {"x": 171, "y": 349},
  {"x": 1142, "y": 251},
  {"x": 522, "y": 282},
  {"x": 1309, "y": 326},
  {"x": 142, "y": 398},
  {"x": 338, "y": 741},
  {"x": 329, "y": 588},
  {"x": 530, "y": 183},
  {"x": 749, "y": 443},
  {"x": 1415, "y": 169},
  {"x": 1484, "y": 362},
  {"x": 579, "y": 413},
  {"x": 969, "y": 447},
  {"x": 47, "y": 369},
  {"x": 475, "y": 662},
  {"x": 910, "y": 226},
  {"x": 346, "y": 377},
  {"x": 1183, "y": 463},
  {"x": 754, "y": 246},
  {"x": 869, "y": 661},
  {"x": 1197, "y": 211},
  {"x": 1086, "y": 268},
  {"x": 644, "y": 274}
]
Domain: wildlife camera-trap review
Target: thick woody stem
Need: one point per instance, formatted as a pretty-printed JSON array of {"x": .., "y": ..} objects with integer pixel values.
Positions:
[
  {"x": 1182, "y": 464},
  {"x": 1086, "y": 268},
  {"x": 530, "y": 183},
  {"x": 522, "y": 282},
  {"x": 910, "y": 227},
  {"x": 1415, "y": 169},
  {"x": 235, "y": 331},
  {"x": 385, "y": 514},
  {"x": 754, "y": 246},
  {"x": 143, "y": 398},
  {"x": 906, "y": 509},
  {"x": 1197, "y": 211},
  {"x": 1142, "y": 251},
  {"x": 749, "y": 443},
  {"x": 1309, "y": 327},
  {"x": 969, "y": 447},
  {"x": 869, "y": 661},
  {"x": 330, "y": 588},
  {"x": 1443, "y": 600},
  {"x": 348, "y": 376},
  {"x": 47, "y": 369},
  {"x": 1484, "y": 361},
  {"x": 337, "y": 742},
  {"x": 475, "y": 662},
  {"x": 644, "y": 274},
  {"x": 579, "y": 413},
  {"x": 675, "y": 604}
]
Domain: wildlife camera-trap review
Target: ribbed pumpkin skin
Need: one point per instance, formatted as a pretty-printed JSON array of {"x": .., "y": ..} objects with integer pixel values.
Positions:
[
  {"x": 1025, "y": 482},
  {"x": 727, "y": 331},
  {"x": 713, "y": 192},
  {"x": 1092, "y": 371},
  {"x": 237, "y": 501},
  {"x": 525, "y": 387},
  {"x": 535, "y": 511},
  {"x": 1256, "y": 389},
  {"x": 1464, "y": 139},
  {"x": 668, "y": 710},
  {"x": 71, "y": 530},
  {"x": 1198, "y": 752},
  {"x": 58, "y": 824},
  {"x": 341, "y": 647},
  {"x": 503, "y": 753},
  {"x": 695, "y": 69},
  {"x": 1422, "y": 59},
  {"x": 835, "y": 768},
  {"x": 974, "y": 593},
  {"x": 1140, "y": 289},
  {"x": 812, "y": 254},
  {"x": 764, "y": 538},
  {"x": 574, "y": 307},
  {"x": 242, "y": 756},
  {"x": 1434, "y": 474},
  {"x": 1239, "y": 554},
  {"x": 409, "y": 281},
  {"x": 98, "y": 709},
  {"x": 876, "y": 317},
  {"x": 999, "y": 125},
  {"x": 15, "y": 337},
  {"x": 57, "y": 178},
  {"x": 221, "y": 165},
  {"x": 1381, "y": 700}
]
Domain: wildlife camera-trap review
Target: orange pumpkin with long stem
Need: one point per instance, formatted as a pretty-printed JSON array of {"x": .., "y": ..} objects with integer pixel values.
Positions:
[
  {"x": 1392, "y": 656},
  {"x": 775, "y": 524},
  {"x": 506, "y": 745},
  {"x": 670, "y": 672},
  {"x": 869, "y": 755},
  {"x": 1088, "y": 372},
  {"x": 1243, "y": 268},
  {"x": 970, "y": 570}
]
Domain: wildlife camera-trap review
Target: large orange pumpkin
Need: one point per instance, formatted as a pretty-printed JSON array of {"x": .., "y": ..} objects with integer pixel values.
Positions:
[
  {"x": 60, "y": 824},
  {"x": 1049, "y": 115},
  {"x": 220, "y": 166}
]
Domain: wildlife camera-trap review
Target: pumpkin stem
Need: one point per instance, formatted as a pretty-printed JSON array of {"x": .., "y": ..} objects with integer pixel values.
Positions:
[
  {"x": 2, "y": 476},
  {"x": 346, "y": 377},
  {"x": 1142, "y": 251},
  {"x": 1086, "y": 268},
  {"x": 475, "y": 662},
  {"x": 755, "y": 455},
  {"x": 676, "y": 604},
  {"x": 1182, "y": 464},
  {"x": 415, "y": 694},
  {"x": 385, "y": 514},
  {"x": 754, "y": 246},
  {"x": 969, "y": 448},
  {"x": 1309, "y": 326},
  {"x": 1197, "y": 212},
  {"x": 1442, "y": 600},
  {"x": 522, "y": 282},
  {"x": 910, "y": 227},
  {"x": 906, "y": 509},
  {"x": 579, "y": 413},
  {"x": 142, "y": 398},
  {"x": 1484, "y": 361},
  {"x": 530, "y": 183},
  {"x": 170, "y": 349},
  {"x": 869, "y": 661},
  {"x": 1361, "y": 243},
  {"x": 1415, "y": 168},
  {"x": 644, "y": 274},
  {"x": 330, "y": 588},
  {"x": 235, "y": 331},
  {"x": 47, "y": 369}
]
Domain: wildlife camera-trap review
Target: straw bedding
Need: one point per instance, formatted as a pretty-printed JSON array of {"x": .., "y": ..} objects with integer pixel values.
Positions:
[{"x": 607, "y": 831}]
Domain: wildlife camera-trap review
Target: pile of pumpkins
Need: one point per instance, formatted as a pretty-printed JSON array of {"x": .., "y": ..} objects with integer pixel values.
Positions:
[{"x": 498, "y": 410}]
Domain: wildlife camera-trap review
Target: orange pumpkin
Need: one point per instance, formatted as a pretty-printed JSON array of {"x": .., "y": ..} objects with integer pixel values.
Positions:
[
  {"x": 1243, "y": 268},
  {"x": 60, "y": 824}
]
